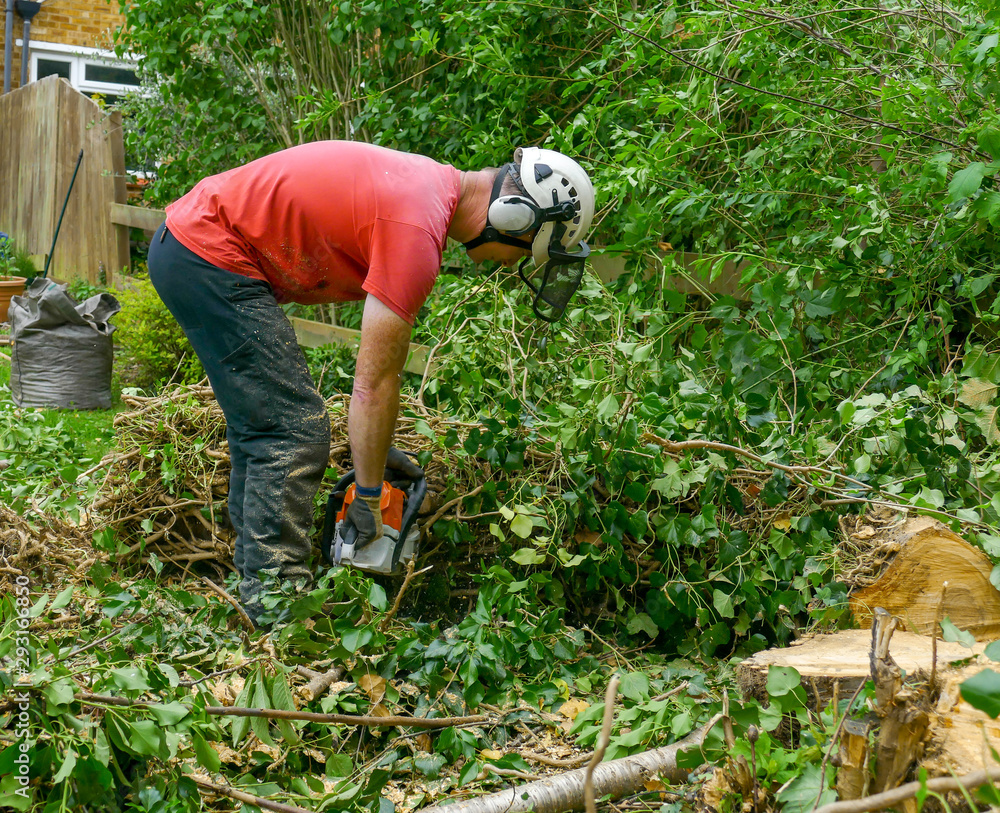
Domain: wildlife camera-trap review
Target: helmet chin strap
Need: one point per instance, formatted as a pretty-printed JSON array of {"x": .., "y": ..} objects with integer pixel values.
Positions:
[{"x": 490, "y": 234}]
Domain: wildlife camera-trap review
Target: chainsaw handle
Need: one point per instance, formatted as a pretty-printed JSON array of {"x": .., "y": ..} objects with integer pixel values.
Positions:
[
  {"x": 414, "y": 500},
  {"x": 333, "y": 506}
]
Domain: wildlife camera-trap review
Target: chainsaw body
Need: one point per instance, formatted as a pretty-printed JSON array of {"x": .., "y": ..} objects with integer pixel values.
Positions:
[{"x": 396, "y": 547}]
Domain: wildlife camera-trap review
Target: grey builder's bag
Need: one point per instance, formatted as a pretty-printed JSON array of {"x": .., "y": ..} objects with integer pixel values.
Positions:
[{"x": 62, "y": 349}]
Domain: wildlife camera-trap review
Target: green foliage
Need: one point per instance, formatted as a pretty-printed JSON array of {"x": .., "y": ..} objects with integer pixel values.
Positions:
[
  {"x": 15, "y": 261},
  {"x": 42, "y": 454},
  {"x": 151, "y": 347},
  {"x": 662, "y": 467}
]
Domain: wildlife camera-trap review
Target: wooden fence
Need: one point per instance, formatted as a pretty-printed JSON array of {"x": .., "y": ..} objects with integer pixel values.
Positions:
[{"x": 43, "y": 127}]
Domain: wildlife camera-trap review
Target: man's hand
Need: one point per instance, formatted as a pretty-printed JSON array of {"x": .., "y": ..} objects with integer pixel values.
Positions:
[
  {"x": 400, "y": 466},
  {"x": 365, "y": 515}
]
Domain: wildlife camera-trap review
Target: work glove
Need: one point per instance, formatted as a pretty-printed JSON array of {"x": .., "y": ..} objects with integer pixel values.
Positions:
[
  {"x": 400, "y": 466},
  {"x": 363, "y": 522}
]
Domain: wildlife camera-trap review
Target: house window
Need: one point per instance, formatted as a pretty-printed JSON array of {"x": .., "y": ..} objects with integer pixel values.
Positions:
[{"x": 92, "y": 71}]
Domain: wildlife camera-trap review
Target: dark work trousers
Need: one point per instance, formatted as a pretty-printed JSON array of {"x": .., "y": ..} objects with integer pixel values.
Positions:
[{"x": 276, "y": 422}]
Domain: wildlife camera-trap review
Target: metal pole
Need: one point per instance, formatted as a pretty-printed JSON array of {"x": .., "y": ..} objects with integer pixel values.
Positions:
[
  {"x": 55, "y": 237},
  {"x": 8, "y": 46},
  {"x": 25, "y": 57}
]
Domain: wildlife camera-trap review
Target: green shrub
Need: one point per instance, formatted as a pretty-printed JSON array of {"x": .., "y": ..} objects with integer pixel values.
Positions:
[
  {"x": 152, "y": 348},
  {"x": 14, "y": 260}
]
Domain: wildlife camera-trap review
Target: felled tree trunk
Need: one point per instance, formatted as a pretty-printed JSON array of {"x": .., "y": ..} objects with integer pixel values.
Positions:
[
  {"x": 902, "y": 565},
  {"x": 554, "y": 794}
]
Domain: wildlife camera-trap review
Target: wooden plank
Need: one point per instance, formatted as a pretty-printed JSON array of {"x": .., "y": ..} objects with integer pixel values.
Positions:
[
  {"x": 317, "y": 334},
  {"x": 120, "y": 249},
  {"x": 137, "y": 217}
]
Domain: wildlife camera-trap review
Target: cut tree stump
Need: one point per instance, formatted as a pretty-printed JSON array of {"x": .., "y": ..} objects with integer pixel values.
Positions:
[
  {"x": 902, "y": 567},
  {"x": 960, "y": 736},
  {"x": 842, "y": 659}
]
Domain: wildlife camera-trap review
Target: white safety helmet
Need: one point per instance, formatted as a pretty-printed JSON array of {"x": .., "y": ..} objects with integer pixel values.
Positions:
[{"x": 556, "y": 201}]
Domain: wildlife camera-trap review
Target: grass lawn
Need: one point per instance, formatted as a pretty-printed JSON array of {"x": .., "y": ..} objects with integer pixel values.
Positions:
[{"x": 91, "y": 428}]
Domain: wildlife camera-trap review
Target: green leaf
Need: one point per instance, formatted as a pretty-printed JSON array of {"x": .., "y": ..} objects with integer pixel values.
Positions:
[
  {"x": 339, "y": 765},
  {"x": 982, "y": 691},
  {"x": 641, "y": 622},
  {"x": 966, "y": 181},
  {"x": 58, "y": 693},
  {"x": 69, "y": 762},
  {"x": 954, "y": 635},
  {"x": 62, "y": 599},
  {"x": 723, "y": 603},
  {"x": 804, "y": 792},
  {"x": 992, "y": 650},
  {"x": 130, "y": 678},
  {"x": 522, "y": 526},
  {"x": 145, "y": 737},
  {"x": 527, "y": 556},
  {"x": 281, "y": 696},
  {"x": 169, "y": 713},
  {"x": 12, "y": 795},
  {"x": 260, "y": 725},
  {"x": 355, "y": 638},
  {"x": 430, "y": 765},
  {"x": 781, "y": 680},
  {"x": 207, "y": 756},
  {"x": 635, "y": 686}
]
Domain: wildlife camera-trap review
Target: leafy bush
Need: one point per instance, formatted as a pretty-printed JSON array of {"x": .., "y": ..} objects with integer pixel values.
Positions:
[
  {"x": 151, "y": 347},
  {"x": 14, "y": 261}
]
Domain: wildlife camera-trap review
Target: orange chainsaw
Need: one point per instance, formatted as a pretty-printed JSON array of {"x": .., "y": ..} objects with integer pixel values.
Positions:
[{"x": 390, "y": 553}]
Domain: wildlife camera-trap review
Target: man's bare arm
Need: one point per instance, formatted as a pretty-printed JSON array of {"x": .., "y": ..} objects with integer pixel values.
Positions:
[{"x": 385, "y": 342}]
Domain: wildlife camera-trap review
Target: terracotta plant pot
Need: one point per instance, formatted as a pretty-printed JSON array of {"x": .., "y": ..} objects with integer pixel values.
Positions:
[{"x": 9, "y": 286}]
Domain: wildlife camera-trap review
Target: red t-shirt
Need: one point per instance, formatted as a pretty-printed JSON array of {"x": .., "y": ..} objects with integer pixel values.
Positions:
[{"x": 329, "y": 221}]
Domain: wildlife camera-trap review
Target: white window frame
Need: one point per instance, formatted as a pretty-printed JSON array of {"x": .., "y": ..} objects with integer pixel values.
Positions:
[{"x": 78, "y": 57}]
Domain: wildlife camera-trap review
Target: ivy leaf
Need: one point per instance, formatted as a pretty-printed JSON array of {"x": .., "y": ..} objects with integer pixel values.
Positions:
[
  {"x": 58, "y": 693},
  {"x": 522, "y": 526},
  {"x": 527, "y": 556},
  {"x": 723, "y": 603},
  {"x": 804, "y": 792},
  {"x": 281, "y": 696},
  {"x": 966, "y": 181},
  {"x": 782, "y": 679},
  {"x": 339, "y": 765},
  {"x": 635, "y": 686},
  {"x": 641, "y": 622},
  {"x": 69, "y": 762}
]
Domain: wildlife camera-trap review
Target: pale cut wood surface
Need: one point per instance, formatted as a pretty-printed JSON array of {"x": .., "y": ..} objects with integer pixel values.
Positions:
[
  {"x": 843, "y": 657},
  {"x": 960, "y": 735},
  {"x": 910, "y": 587}
]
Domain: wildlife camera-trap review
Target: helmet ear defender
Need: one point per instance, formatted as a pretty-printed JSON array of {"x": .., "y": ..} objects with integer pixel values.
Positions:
[{"x": 513, "y": 214}]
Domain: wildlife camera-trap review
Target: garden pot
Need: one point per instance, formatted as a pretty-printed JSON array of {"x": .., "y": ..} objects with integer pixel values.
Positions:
[{"x": 11, "y": 286}]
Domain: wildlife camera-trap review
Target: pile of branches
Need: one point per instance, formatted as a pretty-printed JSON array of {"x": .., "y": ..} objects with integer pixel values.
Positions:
[
  {"x": 42, "y": 547},
  {"x": 165, "y": 485}
]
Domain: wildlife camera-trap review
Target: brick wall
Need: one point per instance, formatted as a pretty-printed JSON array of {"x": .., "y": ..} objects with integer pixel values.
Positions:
[{"x": 88, "y": 23}]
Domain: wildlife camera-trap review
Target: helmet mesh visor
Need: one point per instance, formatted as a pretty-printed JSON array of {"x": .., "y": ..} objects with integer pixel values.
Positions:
[{"x": 559, "y": 281}]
